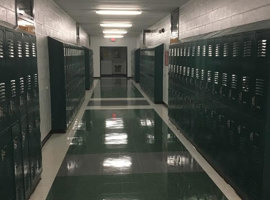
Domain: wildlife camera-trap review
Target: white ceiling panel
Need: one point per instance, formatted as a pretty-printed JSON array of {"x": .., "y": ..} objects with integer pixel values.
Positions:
[{"x": 83, "y": 11}]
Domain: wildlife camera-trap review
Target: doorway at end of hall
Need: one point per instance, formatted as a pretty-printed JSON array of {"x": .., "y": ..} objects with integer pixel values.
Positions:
[{"x": 113, "y": 61}]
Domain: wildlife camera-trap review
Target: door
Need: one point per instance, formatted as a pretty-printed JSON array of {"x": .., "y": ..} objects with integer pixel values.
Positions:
[{"x": 113, "y": 61}]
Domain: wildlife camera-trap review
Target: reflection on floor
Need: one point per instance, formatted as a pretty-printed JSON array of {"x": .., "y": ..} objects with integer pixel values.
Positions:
[{"x": 128, "y": 154}]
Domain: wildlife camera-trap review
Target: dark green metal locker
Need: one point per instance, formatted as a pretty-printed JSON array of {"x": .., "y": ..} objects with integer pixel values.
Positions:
[
  {"x": 19, "y": 111},
  {"x": 151, "y": 72},
  {"x": 218, "y": 94},
  {"x": 88, "y": 68},
  {"x": 7, "y": 190},
  {"x": 137, "y": 65},
  {"x": 67, "y": 80},
  {"x": 18, "y": 160}
]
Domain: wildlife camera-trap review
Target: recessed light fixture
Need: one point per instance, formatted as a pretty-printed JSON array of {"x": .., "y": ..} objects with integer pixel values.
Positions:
[
  {"x": 113, "y": 36},
  {"x": 115, "y": 32},
  {"x": 118, "y": 12},
  {"x": 116, "y": 25}
]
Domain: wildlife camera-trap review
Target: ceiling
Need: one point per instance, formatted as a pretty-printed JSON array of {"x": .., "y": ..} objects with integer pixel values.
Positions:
[{"x": 83, "y": 11}]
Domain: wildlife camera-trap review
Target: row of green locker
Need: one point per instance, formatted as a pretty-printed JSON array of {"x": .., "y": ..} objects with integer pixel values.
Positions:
[
  {"x": 218, "y": 97},
  {"x": 232, "y": 141},
  {"x": 71, "y": 73},
  {"x": 149, "y": 72},
  {"x": 20, "y": 149},
  {"x": 239, "y": 90}
]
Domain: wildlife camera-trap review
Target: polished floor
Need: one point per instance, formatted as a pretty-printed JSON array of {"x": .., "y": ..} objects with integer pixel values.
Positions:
[{"x": 122, "y": 149}]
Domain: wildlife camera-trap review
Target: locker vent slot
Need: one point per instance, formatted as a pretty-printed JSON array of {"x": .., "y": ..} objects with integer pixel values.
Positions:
[
  {"x": 192, "y": 72},
  {"x": 209, "y": 76},
  {"x": 2, "y": 92},
  {"x": 210, "y": 50},
  {"x": 20, "y": 49},
  {"x": 226, "y": 50},
  {"x": 13, "y": 88},
  {"x": 204, "y": 51},
  {"x": 260, "y": 85},
  {"x": 34, "y": 54},
  {"x": 234, "y": 81},
  {"x": 225, "y": 79},
  {"x": 236, "y": 49},
  {"x": 202, "y": 75},
  {"x": 27, "y": 49},
  {"x": 198, "y": 50},
  {"x": 21, "y": 86},
  {"x": 216, "y": 78},
  {"x": 36, "y": 80},
  {"x": 185, "y": 51},
  {"x": 189, "y": 51},
  {"x": 188, "y": 71},
  {"x": 181, "y": 69},
  {"x": 184, "y": 71},
  {"x": 10, "y": 44},
  {"x": 197, "y": 74},
  {"x": 247, "y": 48},
  {"x": 217, "y": 50},
  {"x": 245, "y": 84},
  {"x": 262, "y": 48},
  {"x": 193, "y": 51},
  {"x": 1, "y": 49},
  {"x": 178, "y": 52},
  {"x": 181, "y": 52},
  {"x": 29, "y": 84}
]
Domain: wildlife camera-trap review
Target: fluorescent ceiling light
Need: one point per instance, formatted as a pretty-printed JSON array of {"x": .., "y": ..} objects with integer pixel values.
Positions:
[
  {"x": 119, "y": 12},
  {"x": 115, "y": 32},
  {"x": 113, "y": 36},
  {"x": 116, "y": 25}
]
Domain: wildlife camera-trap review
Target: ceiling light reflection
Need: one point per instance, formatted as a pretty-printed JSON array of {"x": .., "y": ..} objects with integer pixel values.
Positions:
[
  {"x": 178, "y": 160},
  {"x": 147, "y": 122},
  {"x": 122, "y": 162},
  {"x": 115, "y": 123},
  {"x": 116, "y": 138},
  {"x": 75, "y": 141},
  {"x": 150, "y": 138}
]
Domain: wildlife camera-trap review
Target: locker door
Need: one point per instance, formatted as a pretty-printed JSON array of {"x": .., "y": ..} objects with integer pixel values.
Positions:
[
  {"x": 3, "y": 85},
  {"x": 26, "y": 157},
  {"x": 7, "y": 190},
  {"x": 18, "y": 160},
  {"x": 11, "y": 75}
]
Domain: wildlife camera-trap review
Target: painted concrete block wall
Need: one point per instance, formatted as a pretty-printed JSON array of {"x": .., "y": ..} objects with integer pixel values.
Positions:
[
  {"x": 155, "y": 39},
  {"x": 7, "y": 10},
  {"x": 203, "y": 16},
  {"x": 52, "y": 21},
  {"x": 99, "y": 41}
]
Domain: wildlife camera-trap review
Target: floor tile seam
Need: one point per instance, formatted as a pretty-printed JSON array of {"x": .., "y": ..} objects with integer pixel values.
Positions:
[
  {"x": 116, "y": 99},
  {"x": 118, "y": 108},
  {"x": 123, "y": 153},
  {"x": 226, "y": 188},
  {"x": 125, "y": 174}
]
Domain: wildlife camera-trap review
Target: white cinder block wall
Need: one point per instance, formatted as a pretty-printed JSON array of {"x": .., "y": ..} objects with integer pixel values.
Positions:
[
  {"x": 52, "y": 21},
  {"x": 99, "y": 41},
  {"x": 204, "y": 16},
  {"x": 155, "y": 39}
]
